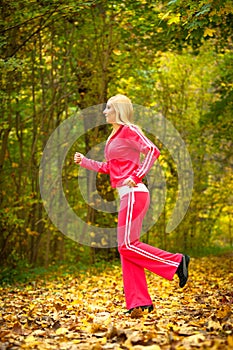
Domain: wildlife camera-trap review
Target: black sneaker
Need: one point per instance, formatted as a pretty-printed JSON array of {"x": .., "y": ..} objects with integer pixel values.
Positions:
[
  {"x": 150, "y": 308},
  {"x": 182, "y": 270}
]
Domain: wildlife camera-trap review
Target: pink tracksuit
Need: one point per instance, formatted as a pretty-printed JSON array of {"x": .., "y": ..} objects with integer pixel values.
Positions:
[{"x": 122, "y": 153}]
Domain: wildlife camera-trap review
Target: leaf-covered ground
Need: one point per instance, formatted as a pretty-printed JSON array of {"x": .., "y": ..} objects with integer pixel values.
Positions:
[{"x": 87, "y": 312}]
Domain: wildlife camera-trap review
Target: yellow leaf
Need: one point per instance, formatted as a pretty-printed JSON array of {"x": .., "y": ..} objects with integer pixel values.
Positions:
[
  {"x": 164, "y": 15},
  {"x": 230, "y": 340},
  {"x": 103, "y": 241},
  {"x": 174, "y": 19},
  {"x": 104, "y": 340},
  {"x": 30, "y": 339},
  {"x": 117, "y": 52},
  {"x": 61, "y": 331},
  {"x": 209, "y": 32}
]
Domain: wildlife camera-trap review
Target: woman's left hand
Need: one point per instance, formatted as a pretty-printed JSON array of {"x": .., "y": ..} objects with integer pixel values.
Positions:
[{"x": 129, "y": 182}]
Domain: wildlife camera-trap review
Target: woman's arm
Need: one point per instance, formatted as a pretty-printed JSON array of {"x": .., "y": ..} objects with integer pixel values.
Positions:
[
  {"x": 146, "y": 147},
  {"x": 90, "y": 164}
]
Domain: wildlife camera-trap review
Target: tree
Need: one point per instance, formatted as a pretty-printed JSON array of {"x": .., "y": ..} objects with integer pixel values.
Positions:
[
  {"x": 61, "y": 56},
  {"x": 193, "y": 22}
]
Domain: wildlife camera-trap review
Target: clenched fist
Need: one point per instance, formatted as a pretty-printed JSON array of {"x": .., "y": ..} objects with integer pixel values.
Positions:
[{"x": 78, "y": 157}]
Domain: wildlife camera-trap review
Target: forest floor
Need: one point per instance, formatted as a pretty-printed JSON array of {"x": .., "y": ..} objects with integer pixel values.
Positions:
[{"x": 86, "y": 311}]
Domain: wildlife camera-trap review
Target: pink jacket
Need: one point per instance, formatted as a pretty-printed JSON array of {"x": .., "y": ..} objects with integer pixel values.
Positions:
[{"x": 122, "y": 153}]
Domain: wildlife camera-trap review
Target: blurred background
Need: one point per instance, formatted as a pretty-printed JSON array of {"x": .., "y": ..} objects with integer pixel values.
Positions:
[{"x": 59, "y": 57}]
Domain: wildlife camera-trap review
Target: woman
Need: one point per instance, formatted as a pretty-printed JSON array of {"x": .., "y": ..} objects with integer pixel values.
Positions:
[{"x": 122, "y": 152}]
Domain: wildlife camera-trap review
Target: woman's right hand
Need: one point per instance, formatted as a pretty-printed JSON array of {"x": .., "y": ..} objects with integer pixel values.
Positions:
[{"x": 78, "y": 157}]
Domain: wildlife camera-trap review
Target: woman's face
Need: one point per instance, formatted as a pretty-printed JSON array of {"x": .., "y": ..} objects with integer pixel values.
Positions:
[{"x": 110, "y": 113}]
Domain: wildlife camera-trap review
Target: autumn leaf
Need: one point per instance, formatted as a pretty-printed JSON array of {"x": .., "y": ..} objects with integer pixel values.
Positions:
[
  {"x": 209, "y": 32},
  {"x": 87, "y": 312}
]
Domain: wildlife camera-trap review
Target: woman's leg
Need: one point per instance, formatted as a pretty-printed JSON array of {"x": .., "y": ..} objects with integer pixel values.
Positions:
[
  {"x": 135, "y": 255},
  {"x": 135, "y": 285}
]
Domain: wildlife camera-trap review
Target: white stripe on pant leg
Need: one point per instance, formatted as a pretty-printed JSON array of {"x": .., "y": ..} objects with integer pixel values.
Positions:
[
  {"x": 137, "y": 250},
  {"x": 128, "y": 221}
]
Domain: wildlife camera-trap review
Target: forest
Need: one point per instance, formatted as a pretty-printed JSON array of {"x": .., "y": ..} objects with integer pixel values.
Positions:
[
  {"x": 60, "y": 277},
  {"x": 61, "y": 57}
]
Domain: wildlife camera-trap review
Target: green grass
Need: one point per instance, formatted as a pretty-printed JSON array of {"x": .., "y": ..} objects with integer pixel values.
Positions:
[
  {"x": 212, "y": 250},
  {"x": 23, "y": 273}
]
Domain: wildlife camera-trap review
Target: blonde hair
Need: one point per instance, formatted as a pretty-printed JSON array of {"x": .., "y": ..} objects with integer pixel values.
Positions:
[{"x": 123, "y": 108}]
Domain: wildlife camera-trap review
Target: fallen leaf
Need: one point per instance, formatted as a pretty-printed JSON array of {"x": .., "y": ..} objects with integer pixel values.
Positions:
[
  {"x": 87, "y": 312},
  {"x": 61, "y": 331}
]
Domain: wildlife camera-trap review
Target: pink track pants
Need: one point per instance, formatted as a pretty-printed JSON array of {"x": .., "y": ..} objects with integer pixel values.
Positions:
[{"x": 137, "y": 256}]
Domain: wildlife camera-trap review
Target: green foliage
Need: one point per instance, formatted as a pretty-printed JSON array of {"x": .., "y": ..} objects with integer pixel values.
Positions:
[
  {"x": 201, "y": 20},
  {"x": 61, "y": 56}
]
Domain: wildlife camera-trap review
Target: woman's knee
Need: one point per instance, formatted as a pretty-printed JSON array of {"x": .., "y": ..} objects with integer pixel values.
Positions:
[{"x": 124, "y": 248}]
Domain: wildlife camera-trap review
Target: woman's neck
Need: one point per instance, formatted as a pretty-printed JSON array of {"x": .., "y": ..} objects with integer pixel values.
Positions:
[{"x": 115, "y": 127}]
